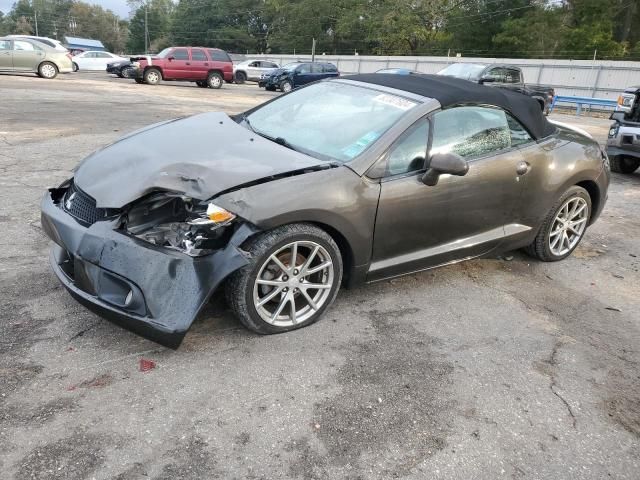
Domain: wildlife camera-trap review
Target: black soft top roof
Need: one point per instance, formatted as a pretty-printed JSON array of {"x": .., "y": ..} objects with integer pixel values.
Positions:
[{"x": 451, "y": 91}]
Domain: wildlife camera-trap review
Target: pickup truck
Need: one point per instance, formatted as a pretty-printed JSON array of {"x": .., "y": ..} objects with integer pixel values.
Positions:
[
  {"x": 623, "y": 142},
  {"x": 502, "y": 76}
]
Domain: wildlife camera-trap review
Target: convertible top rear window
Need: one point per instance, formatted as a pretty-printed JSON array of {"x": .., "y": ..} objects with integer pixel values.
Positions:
[{"x": 330, "y": 119}]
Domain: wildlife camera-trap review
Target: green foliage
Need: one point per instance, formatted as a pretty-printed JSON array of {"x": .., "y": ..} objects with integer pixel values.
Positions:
[{"x": 495, "y": 28}]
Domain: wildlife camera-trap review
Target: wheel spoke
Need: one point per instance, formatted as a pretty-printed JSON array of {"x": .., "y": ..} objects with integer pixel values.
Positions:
[
  {"x": 278, "y": 311},
  {"x": 318, "y": 286},
  {"x": 269, "y": 296},
  {"x": 317, "y": 268},
  {"x": 578, "y": 211},
  {"x": 305, "y": 266},
  {"x": 309, "y": 300},
  {"x": 280, "y": 265},
  {"x": 555, "y": 232},
  {"x": 555, "y": 242},
  {"x": 272, "y": 283},
  {"x": 565, "y": 239},
  {"x": 292, "y": 309},
  {"x": 294, "y": 255}
]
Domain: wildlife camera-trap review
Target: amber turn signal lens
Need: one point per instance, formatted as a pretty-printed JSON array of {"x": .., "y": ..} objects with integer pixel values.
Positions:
[{"x": 219, "y": 215}]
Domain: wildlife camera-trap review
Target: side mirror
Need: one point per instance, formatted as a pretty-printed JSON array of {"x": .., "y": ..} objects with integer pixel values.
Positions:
[
  {"x": 484, "y": 80},
  {"x": 617, "y": 116},
  {"x": 171, "y": 58},
  {"x": 444, "y": 163}
]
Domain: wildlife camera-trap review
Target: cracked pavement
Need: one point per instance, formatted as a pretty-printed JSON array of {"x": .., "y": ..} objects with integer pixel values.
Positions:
[{"x": 485, "y": 369}]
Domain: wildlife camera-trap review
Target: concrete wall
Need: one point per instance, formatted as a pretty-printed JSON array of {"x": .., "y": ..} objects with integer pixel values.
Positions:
[{"x": 586, "y": 78}]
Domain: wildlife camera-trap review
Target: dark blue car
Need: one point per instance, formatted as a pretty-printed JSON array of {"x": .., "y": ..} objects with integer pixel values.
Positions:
[{"x": 295, "y": 74}]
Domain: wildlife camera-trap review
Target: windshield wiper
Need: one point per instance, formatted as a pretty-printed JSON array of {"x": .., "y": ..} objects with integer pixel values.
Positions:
[
  {"x": 278, "y": 140},
  {"x": 284, "y": 143},
  {"x": 245, "y": 119}
]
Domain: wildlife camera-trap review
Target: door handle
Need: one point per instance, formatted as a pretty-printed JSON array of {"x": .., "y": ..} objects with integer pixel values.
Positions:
[
  {"x": 522, "y": 168},
  {"x": 187, "y": 63}
]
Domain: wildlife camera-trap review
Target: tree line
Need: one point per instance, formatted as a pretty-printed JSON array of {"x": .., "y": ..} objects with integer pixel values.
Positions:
[{"x": 497, "y": 28}]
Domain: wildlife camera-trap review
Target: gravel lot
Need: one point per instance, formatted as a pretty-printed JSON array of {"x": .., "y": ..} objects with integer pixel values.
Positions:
[{"x": 493, "y": 368}]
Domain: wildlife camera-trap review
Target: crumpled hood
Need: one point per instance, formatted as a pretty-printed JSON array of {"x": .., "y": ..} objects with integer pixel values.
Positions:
[
  {"x": 277, "y": 72},
  {"x": 199, "y": 156}
]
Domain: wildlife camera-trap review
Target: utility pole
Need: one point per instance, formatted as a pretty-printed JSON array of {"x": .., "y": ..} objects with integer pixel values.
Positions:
[
  {"x": 594, "y": 54},
  {"x": 35, "y": 16},
  {"x": 146, "y": 29},
  {"x": 313, "y": 50}
]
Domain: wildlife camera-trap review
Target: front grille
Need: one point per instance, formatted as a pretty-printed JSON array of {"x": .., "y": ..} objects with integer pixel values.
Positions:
[{"x": 81, "y": 206}]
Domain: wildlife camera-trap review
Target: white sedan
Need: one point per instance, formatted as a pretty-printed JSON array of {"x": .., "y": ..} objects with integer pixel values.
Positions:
[{"x": 94, "y": 60}]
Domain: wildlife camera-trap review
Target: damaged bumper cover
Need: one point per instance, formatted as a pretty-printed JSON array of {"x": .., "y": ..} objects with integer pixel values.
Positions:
[{"x": 152, "y": 291}]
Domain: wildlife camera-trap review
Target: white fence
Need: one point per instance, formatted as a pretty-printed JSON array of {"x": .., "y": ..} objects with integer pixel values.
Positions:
[{"x": 585, "y": 78}]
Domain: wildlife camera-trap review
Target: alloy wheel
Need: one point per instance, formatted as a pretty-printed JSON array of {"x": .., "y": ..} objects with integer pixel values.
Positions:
[
  {"x": 286, "y": 87},
  {"x": 568, "y": 226},
  {"x": 48, "y": 71},
  {"x": 293, "y": 283}
]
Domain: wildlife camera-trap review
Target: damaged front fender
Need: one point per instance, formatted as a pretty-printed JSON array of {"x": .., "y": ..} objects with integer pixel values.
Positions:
[{"x": 150, "y": 290}]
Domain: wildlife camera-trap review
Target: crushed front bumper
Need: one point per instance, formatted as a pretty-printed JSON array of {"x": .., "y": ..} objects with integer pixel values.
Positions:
[{"x": 149, "y": 290}]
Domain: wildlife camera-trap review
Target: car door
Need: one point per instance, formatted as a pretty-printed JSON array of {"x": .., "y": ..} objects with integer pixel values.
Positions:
[
  {"x": 330, "y": 70},
  {"x": 253, "y": 70},
  {"x": 6, "y": 55},
  {"x": 420, "y": 226},
  {"x": 302, "y": 75},
  {"x": 85, "y": 60},
  {"x": 177, "y": 63},
  {"x": 199, "y": 64},
  {"x": 101, "y": 60},
  {"x": 26, "y": 56}
]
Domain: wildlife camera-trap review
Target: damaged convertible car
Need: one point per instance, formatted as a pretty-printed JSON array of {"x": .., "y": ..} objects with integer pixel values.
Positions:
[{"x": 341, "y": 182}]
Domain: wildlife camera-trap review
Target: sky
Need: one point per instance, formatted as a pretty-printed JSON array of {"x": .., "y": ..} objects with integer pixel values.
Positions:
[{"x": 119, "y": 7}]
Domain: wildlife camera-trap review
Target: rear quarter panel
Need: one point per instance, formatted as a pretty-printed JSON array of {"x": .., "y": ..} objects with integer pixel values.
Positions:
[{"x": 557, "y": 163}]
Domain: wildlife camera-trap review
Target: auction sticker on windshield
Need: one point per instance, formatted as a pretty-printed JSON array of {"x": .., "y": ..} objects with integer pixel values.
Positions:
[{"x": 392, "y": 100}]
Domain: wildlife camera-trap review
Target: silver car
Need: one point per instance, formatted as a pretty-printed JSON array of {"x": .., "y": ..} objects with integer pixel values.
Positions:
[
  {"x": 252, "y": 70},
  {"x": 26, "y": 55}
]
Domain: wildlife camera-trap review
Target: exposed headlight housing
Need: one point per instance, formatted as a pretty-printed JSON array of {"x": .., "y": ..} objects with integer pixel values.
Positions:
[
  {"x": 179, "y": 223},
  {"x": 613, "y": 131}
]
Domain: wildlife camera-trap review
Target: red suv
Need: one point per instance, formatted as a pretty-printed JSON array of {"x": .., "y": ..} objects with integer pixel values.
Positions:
[{"x": 208, "y": 67}]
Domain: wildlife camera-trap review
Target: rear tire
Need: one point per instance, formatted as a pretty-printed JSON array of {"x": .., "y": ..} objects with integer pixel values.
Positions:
[
  {"x": 551, "y": 246},
  {"x": 240, "y": 77},
  {"x": 75, "y": 67},
  {"x": 622, "y": 164},
  {"x": 128, "y": 72},
  {"x": 47, "y": 70},
  {"x": 215, "y": 80},
  {"x": 264, "y": 296},
  {"x": 152, "y": 76}
]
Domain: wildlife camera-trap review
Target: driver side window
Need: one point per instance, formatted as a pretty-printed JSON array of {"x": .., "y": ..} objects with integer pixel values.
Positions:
[{"x": 409, "y": 152}]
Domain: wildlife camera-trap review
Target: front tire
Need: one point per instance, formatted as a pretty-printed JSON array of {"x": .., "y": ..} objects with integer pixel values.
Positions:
[
  {"x": 563, "y": 227},
  {"x": 152, "y": 76},
  {"x": 293, "y": 276},
  {"x": 215, "y": 80},
  {"x": 622, "y": 164},
  {"x": 286, "y": 86},
  {"x": 47, "y": 70},
  {"x": 128, "y": 72}
]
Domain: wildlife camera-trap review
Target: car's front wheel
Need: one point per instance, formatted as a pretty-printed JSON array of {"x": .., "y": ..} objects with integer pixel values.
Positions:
[
  {"x": 286, "y": 86},
  {"x": 563, "y": 227},
  {"x": 152, "y": 76},
  {"x": 47, "y": 70},
  {"x": 293, "y": 276},
  {"x": 622, "y": 164}
]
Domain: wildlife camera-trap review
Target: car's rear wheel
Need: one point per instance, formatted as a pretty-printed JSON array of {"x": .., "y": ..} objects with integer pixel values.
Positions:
[
  {"x": 241, "y": 77},
  {"x": 622, "y": 164},
  {"x": 215, "y": 80},
  {"x": 563, "y": 227},
  {"x": 47, "y": 70},
  {"x": 75, "y": 67},
  {"x": 152, "y": 76},
  {"x": 128, "y": 72},
  {"x": 293, "y": 276},
  {"x": 286, "y": 86}
]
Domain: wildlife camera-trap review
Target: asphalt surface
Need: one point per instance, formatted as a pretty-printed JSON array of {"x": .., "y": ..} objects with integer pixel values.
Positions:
[{"x": 495, "y": 368}]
